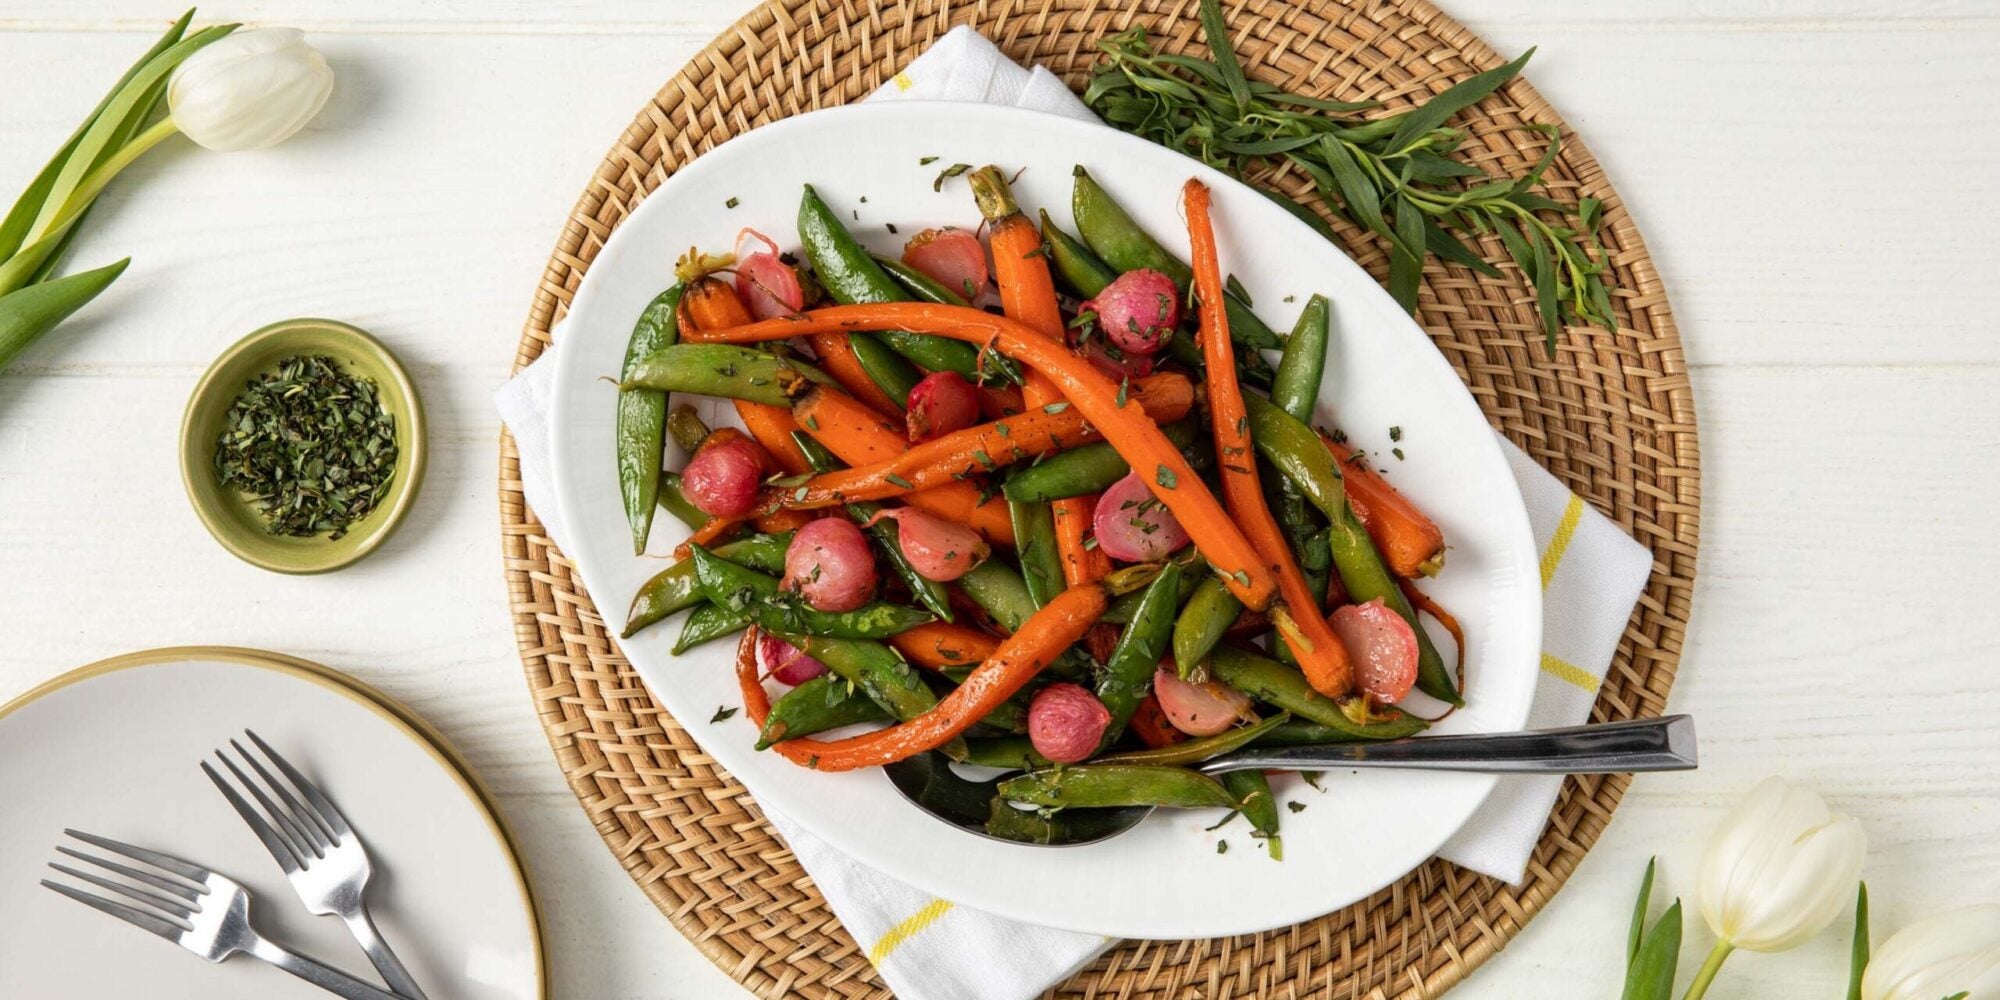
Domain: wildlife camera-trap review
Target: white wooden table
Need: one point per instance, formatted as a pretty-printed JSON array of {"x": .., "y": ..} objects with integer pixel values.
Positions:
[{"x": 1816, "y": 179}]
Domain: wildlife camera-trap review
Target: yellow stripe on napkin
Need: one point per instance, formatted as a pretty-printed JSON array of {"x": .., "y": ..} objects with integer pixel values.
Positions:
[
  {"x": 907, "y": 929},
  {"x": 1565, "y": 530},
  {"x": 903, "y": 81},
  {"x": 1564, "y": 670}
]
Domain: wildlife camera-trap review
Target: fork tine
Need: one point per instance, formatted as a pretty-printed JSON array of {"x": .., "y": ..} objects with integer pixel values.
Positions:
[
  {"x": 305, "y": 843},
  {"x": 274, "y": 842},
  {"x": 306, "y": 816},
  {"x": 191, "y": 872},
  {"x": 189, "y": 895},
  {"x": 130, "y": 915},
  {"x": 154, "y": 900},
  {"x": 329, "y": 813}
]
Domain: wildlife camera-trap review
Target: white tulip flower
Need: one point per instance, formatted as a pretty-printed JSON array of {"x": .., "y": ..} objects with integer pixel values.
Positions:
[
  {"x": 250, "y": 89},
  {"x": 1940, "y": 956},
  {"x": 1776, "y": 872}
]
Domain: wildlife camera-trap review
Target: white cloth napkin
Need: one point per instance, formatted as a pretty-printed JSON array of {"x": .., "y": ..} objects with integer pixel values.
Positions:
[{"x": 932, "y": 949}]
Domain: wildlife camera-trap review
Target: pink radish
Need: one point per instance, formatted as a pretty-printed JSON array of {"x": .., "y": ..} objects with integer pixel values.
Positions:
[
  {"x": 1109, "y": 359},
  {"x": 1066, "y": 722},
  {"x": 1198, "y": 709},
  {"x": 1133, "y": 526},
  {"x": 787, "y": 664},
  {"x": 952, "y": 257},
  {"x": 1382, "y": 646},
  {"x": 1138, "y": 311},
  {"x": 936, "y": 548},
  {"x": 830, "y": 564},
  {"x": 940, "y": 404},
  {"x": 722, "y": 478},
  {"x": 769, "y": 286}
]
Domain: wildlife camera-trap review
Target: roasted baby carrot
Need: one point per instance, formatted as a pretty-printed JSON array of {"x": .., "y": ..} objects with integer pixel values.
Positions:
[
  {"x": 1304, "y": 628},
  {"x": 1121, "y": 421},
  {"x": 1411, "y": 543},
  {"x": 1015, "y": 662},
  {"x": 837, "y": 357},
  {"x": 859, "y": 436},
  {"x": 937, "y": 645}
]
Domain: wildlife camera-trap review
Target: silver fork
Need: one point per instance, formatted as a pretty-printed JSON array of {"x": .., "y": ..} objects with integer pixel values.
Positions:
[
  {"x": 206, "y": 913},
  {"x": 320, "y": 853}
]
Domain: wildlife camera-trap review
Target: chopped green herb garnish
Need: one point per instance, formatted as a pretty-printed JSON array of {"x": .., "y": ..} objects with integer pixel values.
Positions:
[
  {"x": 1054, "y": 408},
  {"x": 1165, "y": 477},
  {"x": 1396, "y": 433},
  {"x": 1222, "y": 847},
  {"x": 925, "y": 161},
  {"x": 899, "y": 481},
  {"x": 721, "y": 714},
  {"x": 949, "y": 172},
  {"x": 1398, "y": 452},
  {"x": 1297, "y": 807}
]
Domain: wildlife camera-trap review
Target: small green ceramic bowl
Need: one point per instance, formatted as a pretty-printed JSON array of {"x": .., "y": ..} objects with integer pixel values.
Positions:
[{"x": 228, "y": 514}]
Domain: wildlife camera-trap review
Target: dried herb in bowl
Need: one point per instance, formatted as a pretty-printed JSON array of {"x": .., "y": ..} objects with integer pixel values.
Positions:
[{"x": 311, "y": 444}]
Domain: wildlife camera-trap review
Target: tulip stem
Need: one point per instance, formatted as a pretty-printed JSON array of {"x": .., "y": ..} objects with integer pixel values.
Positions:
[
  {"x": 1709, "y": 967},
  {"x": 99, "y": 177}
]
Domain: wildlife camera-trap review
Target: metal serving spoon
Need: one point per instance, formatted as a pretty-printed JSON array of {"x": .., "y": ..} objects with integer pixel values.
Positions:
[{"x": 1663, "y": 744}]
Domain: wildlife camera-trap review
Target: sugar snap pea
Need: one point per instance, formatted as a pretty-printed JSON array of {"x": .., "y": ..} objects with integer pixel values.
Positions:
[
  {"x": 1000, "y": 591},
  {"x": 1035, "y": 546},
  {"x": 1193, "y": 569},
  {"x": 1092, "y": 468},
  {"x": 757, "y": 597},
  {"x": 1258, "y": 805},
  {"x": 822, "y": 703},
  {"x": 1201, "y": 748},
  {"x": 674, "y": 502},
  {"x": 1128, "y": 674},
  {"x": 1015, "y": 753},
  {"x": 1270, "y": 681},
  {"x": 1296, "y": 452},
  {"x": 919, "y": 285},
  {"x": 928, "y": 592},
  {"x": 1109, "y": 785},
  {"x": 1295, "y": 388},
  {"x": 1032, "y": 826},
  {"x": 1080, "y": 271},
  {"x": 1300, "y": 732},
  {"x": 850, "y": 275},
  {"x": 674, "y": 588},
  {"x": 1208, "y": 614},
  {"x": 708, "y": 623},
  {"x": 642, "y": 416},
  {"x": 1116, "y": 237},
  {"x": 877, "y": 670},
  {"x": 724, "y": 370}
]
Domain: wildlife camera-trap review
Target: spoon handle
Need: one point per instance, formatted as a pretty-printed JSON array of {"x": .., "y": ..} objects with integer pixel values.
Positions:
[{"x": 1663, "y": 744}]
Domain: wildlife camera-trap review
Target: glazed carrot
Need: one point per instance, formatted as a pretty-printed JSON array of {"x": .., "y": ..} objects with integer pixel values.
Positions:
[
  {"x": 708, "y": 534},
  {"x": 1318, "y": 650},
  {"x": 996, "y": 401},
  {"x": 860, "y": 436},
  {"x": 783, "y": 520},
  {"x": 1122, "y": 422},
  {"x": 1028, "y": 294},
  {"x": 837, "y": 359},
  {"x": 710, "y": 304},
  {"x": 1166, "y": 397},
  {"x": 937, "y": 645},
  {"x": 1013, "y": 664},
  {"x": 1411, "y": 543},
  {"x": 1149, "y": 723}
]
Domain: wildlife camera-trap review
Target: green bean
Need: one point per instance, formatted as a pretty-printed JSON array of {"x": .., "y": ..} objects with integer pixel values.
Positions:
[
  {"x": 1092, "y": 468},
  {"x": 674, "y": 588},
  {"x": 1200, "y": 627},
  {"x": 642, "y": 415},
  {"x": 1035, "y": 547},
  {"x": 928, "y": 592},
  {"x": 1258, "y": 805},
  {"x": 757, "y": 596},
  {"x": 1295, "y": 451},
  {"x": 1000, "y": 591},
  {"x": 1074, "y": 265},
  {"x": 723, "y": 370},
  {"x": 1128, "y": 674},
  {"x": 880, "y": 672},
  {"x": 686, "y": 428},
  {"x": 1107, "y": 785},
  {"x": 706, "y": 624},
  {"x": 1015, "y": 753},
  {"x": 822, "y": 703},
  {"x": 849, "y": 275},
  {"x": 919, "y": 285},
  {"x": 1194, "y": 751},
  {"x": 1270, "y": 681},
  {"x": 674, "y": 502},
  {"x": 1030, "y": 826},
  {"x": 1295, "y": 389},
  {"x": 1116, "y": 237}
]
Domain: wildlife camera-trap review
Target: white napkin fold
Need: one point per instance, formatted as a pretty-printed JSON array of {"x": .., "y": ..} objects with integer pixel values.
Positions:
[{"x": 932, "y": 949}]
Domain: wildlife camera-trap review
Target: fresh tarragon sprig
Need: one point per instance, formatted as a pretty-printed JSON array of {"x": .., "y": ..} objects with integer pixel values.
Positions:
[{"x": 1393, "y": 176}]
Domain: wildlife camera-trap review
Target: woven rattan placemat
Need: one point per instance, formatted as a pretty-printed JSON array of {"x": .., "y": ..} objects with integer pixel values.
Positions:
[{"x": 1612, "y": 416}]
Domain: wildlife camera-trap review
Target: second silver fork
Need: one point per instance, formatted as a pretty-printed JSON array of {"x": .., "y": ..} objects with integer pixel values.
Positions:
[{"x": 310, "y": 839}]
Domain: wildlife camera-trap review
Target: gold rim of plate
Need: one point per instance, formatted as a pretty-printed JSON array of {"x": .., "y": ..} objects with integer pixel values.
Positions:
[
  {"x": 363, "y": 694},
  {"x": 228, "y": 515}
]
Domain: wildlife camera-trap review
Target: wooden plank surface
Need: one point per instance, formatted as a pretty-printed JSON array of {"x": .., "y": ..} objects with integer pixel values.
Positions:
[{"x": 1814, "y": 178}]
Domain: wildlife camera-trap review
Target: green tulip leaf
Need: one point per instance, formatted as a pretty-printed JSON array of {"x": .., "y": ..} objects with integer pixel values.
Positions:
[
  {"x": 1638, "y": 930},
  {"x": 32, "y": 311},
  {"x": 1857, "y": 960},
  {"x": 1651, "y": 976}
]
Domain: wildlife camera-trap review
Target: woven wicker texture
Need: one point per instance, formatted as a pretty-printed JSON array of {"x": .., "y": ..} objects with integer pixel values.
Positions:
[{"x": 1612, "y": 416}]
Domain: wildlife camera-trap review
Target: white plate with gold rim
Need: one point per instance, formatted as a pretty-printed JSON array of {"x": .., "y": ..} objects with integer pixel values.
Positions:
[
  {"x": 112, "y": 748},
  {"x": 876, "y": 164}
]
